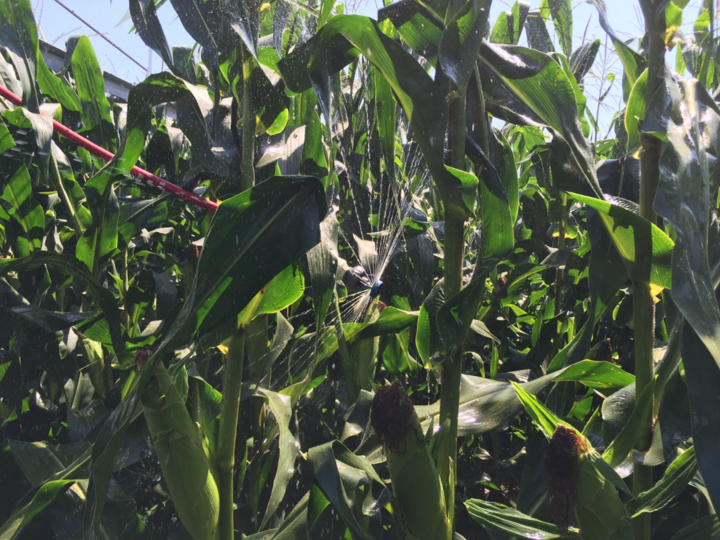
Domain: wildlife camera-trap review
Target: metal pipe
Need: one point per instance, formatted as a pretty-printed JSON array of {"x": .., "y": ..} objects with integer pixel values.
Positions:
[{"x": 137, "y": 172}]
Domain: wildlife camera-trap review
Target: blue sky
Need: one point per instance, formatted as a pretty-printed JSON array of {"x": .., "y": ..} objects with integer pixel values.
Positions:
[{"x": 56, "y": 25}]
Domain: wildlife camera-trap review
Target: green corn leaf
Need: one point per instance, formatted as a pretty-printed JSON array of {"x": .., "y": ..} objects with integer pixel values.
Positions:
[
  {"x": 22, "y": 207},
  {"x": 633, "y": 63},
  {"x": 396, "y": 355},
  {"x": 391, "y": 320},
  {"x": 281, "y": 408},
  {"x": 509, "y": 24},
  {"x": 50, "y": 321},
  {"x": 598, "y": 375},
  {"x": 583, "y": 59},
  {"x": 193, "y": 106},
  {"x": 42, "y": 130},
  {"x": 509, "y": 521},
  {"x": 51, "y": 480},
  {"x": 6, "y": 140},
  {"x": 503, "y": 158},
  {"x": 18, "y": 32},
  {"x": 136, "y": 216},
  {"x": 283, "y": 291},
  {"x": 70, "y": 265},
  {"x": 702, "y": 380},
  {"x": 541, "y": 415},
  {"x": 147, "y": 24},
  {"x": 580, "y": 99},
  {"x": 96, "y": 112},
  {"x": 469, "y": 189},
  {"x": 608, "y": 472},
  {"x": 184, "y": 61},
  {"x": 325, "y": 11},
  {"x": 57, "y": 87},
  {"x": 497, "y": 240},
  {"x": 686, "y": 181},
  {"x": 101, "y": 237},
  {"x": 481, "y": 329},
  {"x": 313, "y": 153},
  {"x": 461, "y": 41},
  {"x": 540, "y": 86},
  {"x": 238, "y": 25},
  {"x": 645, "y": 249},
  {"x": 537, "y": 33},
  {"x": 322, "y": 266},
  {"x": 427, "y": 338},
  {"x": 9, "y": 78},
  {"x": 621, "y": 446},
  {"x": 22, "y": 515},
  {"x": 385, "y": 111},
  {"x": 484, "y": 403},
  {"x": 201, "y": 20},
  {"x": 299, "y": 520},
  {"x": 635, "y": 113},
  {"x": 336, "y": 470},
  {"x": 270, "y": 534},
  {"x": 268, "y": 100},
  {"x": 704, "y": 528},
  {"x": 417, "y": 26},
  {"x": 75, "y": 192},
  {"x": 561, "y": 11},
  {"x": 673, "y": 482}
]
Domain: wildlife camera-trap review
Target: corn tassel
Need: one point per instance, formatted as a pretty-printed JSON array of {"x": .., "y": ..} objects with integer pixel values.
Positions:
[
  {"x": 184, "y": 461},
  {"x": 415, "y": 480}
]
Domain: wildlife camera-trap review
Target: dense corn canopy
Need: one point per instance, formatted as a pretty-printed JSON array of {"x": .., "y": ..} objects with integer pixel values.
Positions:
[{"x": 443, "y": 272}]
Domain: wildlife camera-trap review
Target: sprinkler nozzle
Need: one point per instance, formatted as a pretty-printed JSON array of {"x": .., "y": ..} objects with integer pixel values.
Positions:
[{"x": 356, "y": 279}]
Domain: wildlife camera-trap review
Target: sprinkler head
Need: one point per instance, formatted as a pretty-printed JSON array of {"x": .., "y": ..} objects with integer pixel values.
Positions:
[
  {"x": 356, "y": 279},
  {"x": 375, "y": 291}
]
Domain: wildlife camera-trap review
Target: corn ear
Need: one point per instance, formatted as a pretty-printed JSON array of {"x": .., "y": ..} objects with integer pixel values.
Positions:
[
  {"x": 415, "y": 480},
  {"x": 180, "y": 449},
  {"x": 577, "y": 487},
  {"x": 599, "y": 512},
  {"x": 99, "y": 368}
]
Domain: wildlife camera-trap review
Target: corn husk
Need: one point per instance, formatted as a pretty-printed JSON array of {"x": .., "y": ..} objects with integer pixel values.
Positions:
[
  {"x": 578, "y": 488},
  {"x": 599, "y": 512},
  {"x": 183, "y": 458},
  {"x": 415, "y": 482}
]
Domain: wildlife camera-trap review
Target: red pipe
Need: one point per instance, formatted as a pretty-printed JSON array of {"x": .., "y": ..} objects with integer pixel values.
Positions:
[{"x": 137, "y": 172}]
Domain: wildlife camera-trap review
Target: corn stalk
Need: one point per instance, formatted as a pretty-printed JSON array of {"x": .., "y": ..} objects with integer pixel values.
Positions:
[
  {"x": 454, "y": 232},
  {"x": 643, "y": 307},
  {"x": 228, "y": 433},
  {"x": 247, "y": 177}
]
